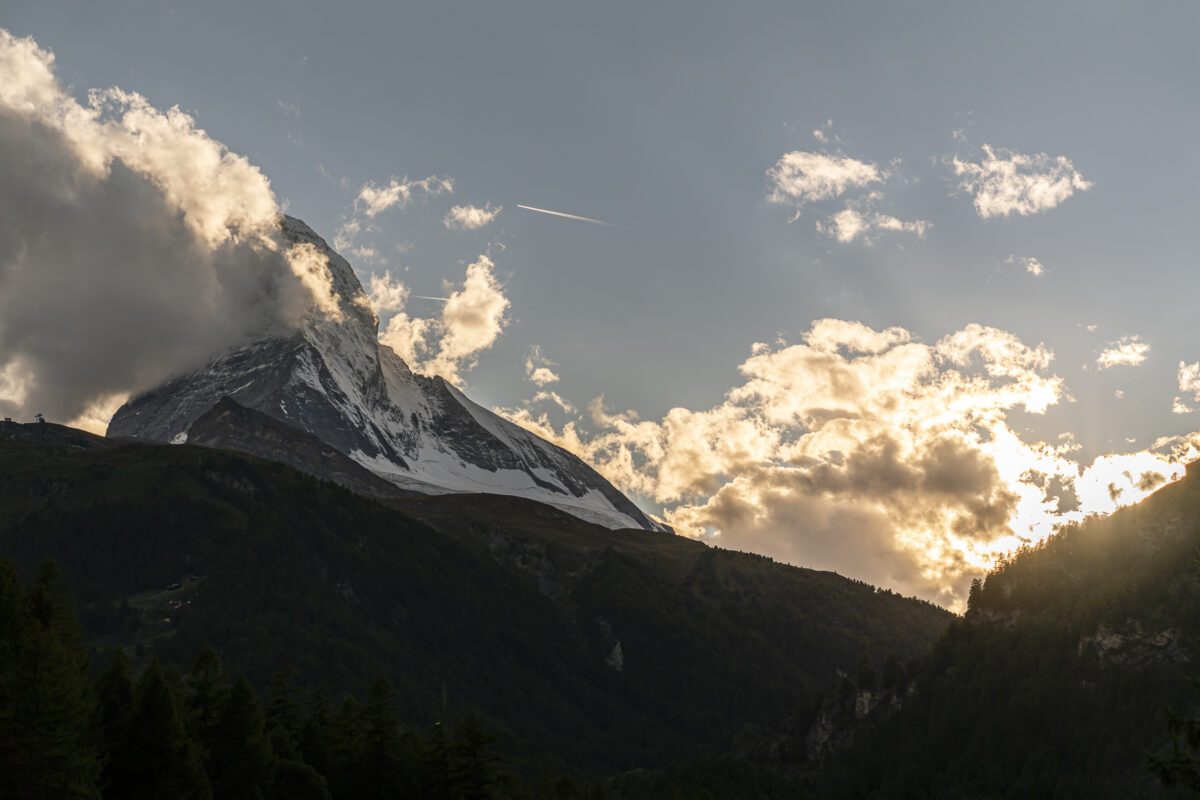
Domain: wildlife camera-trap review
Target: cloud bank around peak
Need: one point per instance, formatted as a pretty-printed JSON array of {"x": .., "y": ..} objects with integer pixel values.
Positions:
[{"x": 133, "y": 245}]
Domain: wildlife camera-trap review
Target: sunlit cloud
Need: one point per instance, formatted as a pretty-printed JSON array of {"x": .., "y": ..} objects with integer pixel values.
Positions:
[
  {"x": 472, "y": 318},
  {"x": 555, "y": 398},
  {"x": 1180, "y": 407},
  {"x": 1125, "y": 352},
  {"x": 399, "y": 192},
  {"x": 387, "y": 295},
  {"x": 870, "y": 453},
  {"x": 1189, "y": 379},
  {"x": 470, "y": 218},
  {"x": 859, "y": 219},
  {"x": 538, "y": 368},
  {"x": 1032, "y": 266},
  {"x": 188, "y": 232},
  {"x": 1005, "y": 182},
  {"x": 801, "y": 177}
]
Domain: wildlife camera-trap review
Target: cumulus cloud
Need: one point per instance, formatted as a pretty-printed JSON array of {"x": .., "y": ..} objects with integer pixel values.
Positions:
[
  {"x": 867, "y": 452},
  {"x": 538, "y": 367},
  {"x": 399, "y": 192},
  {"x": 801, "y": 177},
  {"x": 1189, "y": 379},
  {"x": 859, "y": 218},
  {"x": 1180, "y": 407},
  {"x": 1125, "y": 352},
  {"x": 472, "y": 319},
  {"x": 386, "y": 294},
  {"x": 470, "y": 218},
  {"x": 133, "y": 245},
  {"x": 1032, "y": 266},
  {"x": 1005, "y": 182}
]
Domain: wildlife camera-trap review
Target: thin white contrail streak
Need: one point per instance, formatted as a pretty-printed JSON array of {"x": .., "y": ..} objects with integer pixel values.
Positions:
[
  {"x": 568, "y": 216},
  {"x": 423, "y": 297}
]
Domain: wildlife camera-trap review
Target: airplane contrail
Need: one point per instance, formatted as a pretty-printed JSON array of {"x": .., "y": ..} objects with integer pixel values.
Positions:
[
  {"x": 423, "y": 297},
  {"x": 568, "y": 216}
]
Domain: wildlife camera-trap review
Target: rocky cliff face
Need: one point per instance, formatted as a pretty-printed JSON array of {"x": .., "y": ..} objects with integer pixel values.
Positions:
[{"x": 330, "y": 377}]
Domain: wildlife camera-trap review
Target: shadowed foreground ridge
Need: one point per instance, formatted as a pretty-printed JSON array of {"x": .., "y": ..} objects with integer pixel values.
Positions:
[
  {"x": 1062, "y": 678},
  {"x": 595, "y": 649}
]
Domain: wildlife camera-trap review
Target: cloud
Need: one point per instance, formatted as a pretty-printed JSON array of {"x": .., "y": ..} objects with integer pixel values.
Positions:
[
  {"x": 859, "y": 218},
  {"x": 1127, "y": 352},
  {"x": 469, "y": 218},
  {"x": 472, "y": 319},
  {"x": 387, "y": 295},
  {"x": 1005, "y": 182},
  {"x": 801, "y": 177},
  {"x": 399, "y": 192},
  {"x": 133, "y": 246},
  {"x": 537, "y": 367},
  {"x": 870, "y": 453},
  {"x": 1032, "y": 266},
  {"x": 1180, "y": 407},
  {"x": 1189, "y": 379},
  {"x": 823, "y": 133},
  {"x": 556, "y": 398}
]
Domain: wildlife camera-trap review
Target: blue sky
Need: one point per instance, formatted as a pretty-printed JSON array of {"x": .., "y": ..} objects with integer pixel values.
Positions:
[{"x": 667, "y": 121}]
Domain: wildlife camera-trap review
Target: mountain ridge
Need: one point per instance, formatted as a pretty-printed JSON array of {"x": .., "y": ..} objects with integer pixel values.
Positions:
[
  {"x": 604, "y": 650},
  {"x": 330, "y": 377}
]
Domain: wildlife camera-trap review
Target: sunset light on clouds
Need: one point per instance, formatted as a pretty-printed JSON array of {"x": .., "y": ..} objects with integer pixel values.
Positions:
[{"x": 814, "y": 328}]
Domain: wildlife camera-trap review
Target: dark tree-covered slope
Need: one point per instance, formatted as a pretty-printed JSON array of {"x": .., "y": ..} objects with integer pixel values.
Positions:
[
  {"x": 593, "y": 649},
  {"x": 1060, "y": 680}
]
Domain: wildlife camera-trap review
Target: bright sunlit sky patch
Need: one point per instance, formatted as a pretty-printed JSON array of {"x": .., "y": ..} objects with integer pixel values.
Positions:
[{"x": 995, "y": 200}]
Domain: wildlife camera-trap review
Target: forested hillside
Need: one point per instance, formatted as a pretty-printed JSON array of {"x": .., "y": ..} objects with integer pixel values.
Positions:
[
  {"x": 591, "y": 650},
  {"x": 1063, "y": 676}
]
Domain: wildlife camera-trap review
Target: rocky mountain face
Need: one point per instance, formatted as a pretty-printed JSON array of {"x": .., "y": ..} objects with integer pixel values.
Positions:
[{"x": 330, "y": 377}]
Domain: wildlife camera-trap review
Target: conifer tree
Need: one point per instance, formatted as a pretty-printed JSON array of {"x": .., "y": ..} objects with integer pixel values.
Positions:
[
  {"x": 241, "y": 756},
  {"x": 435, "y": 765},
  {"x": 283, "y": 715},
  {"x": 45, "y": 697},
  {"x": 379, "y": 762},
  {"x": 295, "y": 780},
  {"x": 475, "y": 767},
  {"x": 316, "y": 747},
  {"x": 207, "y": 691},
  {"x": 162, "y": 762},
  {"x": 116, "y": 700}
]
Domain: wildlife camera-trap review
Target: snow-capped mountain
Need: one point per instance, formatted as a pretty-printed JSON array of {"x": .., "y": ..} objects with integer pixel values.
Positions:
[{"x": 330, "y": 376}]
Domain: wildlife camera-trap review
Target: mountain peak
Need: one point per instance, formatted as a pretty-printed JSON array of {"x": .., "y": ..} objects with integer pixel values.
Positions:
[{"x": 331, "y": 378}]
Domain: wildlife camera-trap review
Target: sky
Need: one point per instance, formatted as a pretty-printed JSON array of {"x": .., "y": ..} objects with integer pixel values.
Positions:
[{"x": 888, "y": 289}]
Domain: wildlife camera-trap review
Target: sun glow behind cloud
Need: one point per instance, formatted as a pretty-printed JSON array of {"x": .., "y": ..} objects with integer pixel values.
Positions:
[{"x": 870, "y": 453}]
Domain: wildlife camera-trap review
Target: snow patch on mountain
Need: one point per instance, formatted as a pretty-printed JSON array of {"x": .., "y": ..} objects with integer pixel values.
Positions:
[{"x": 331, "y": 377}]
